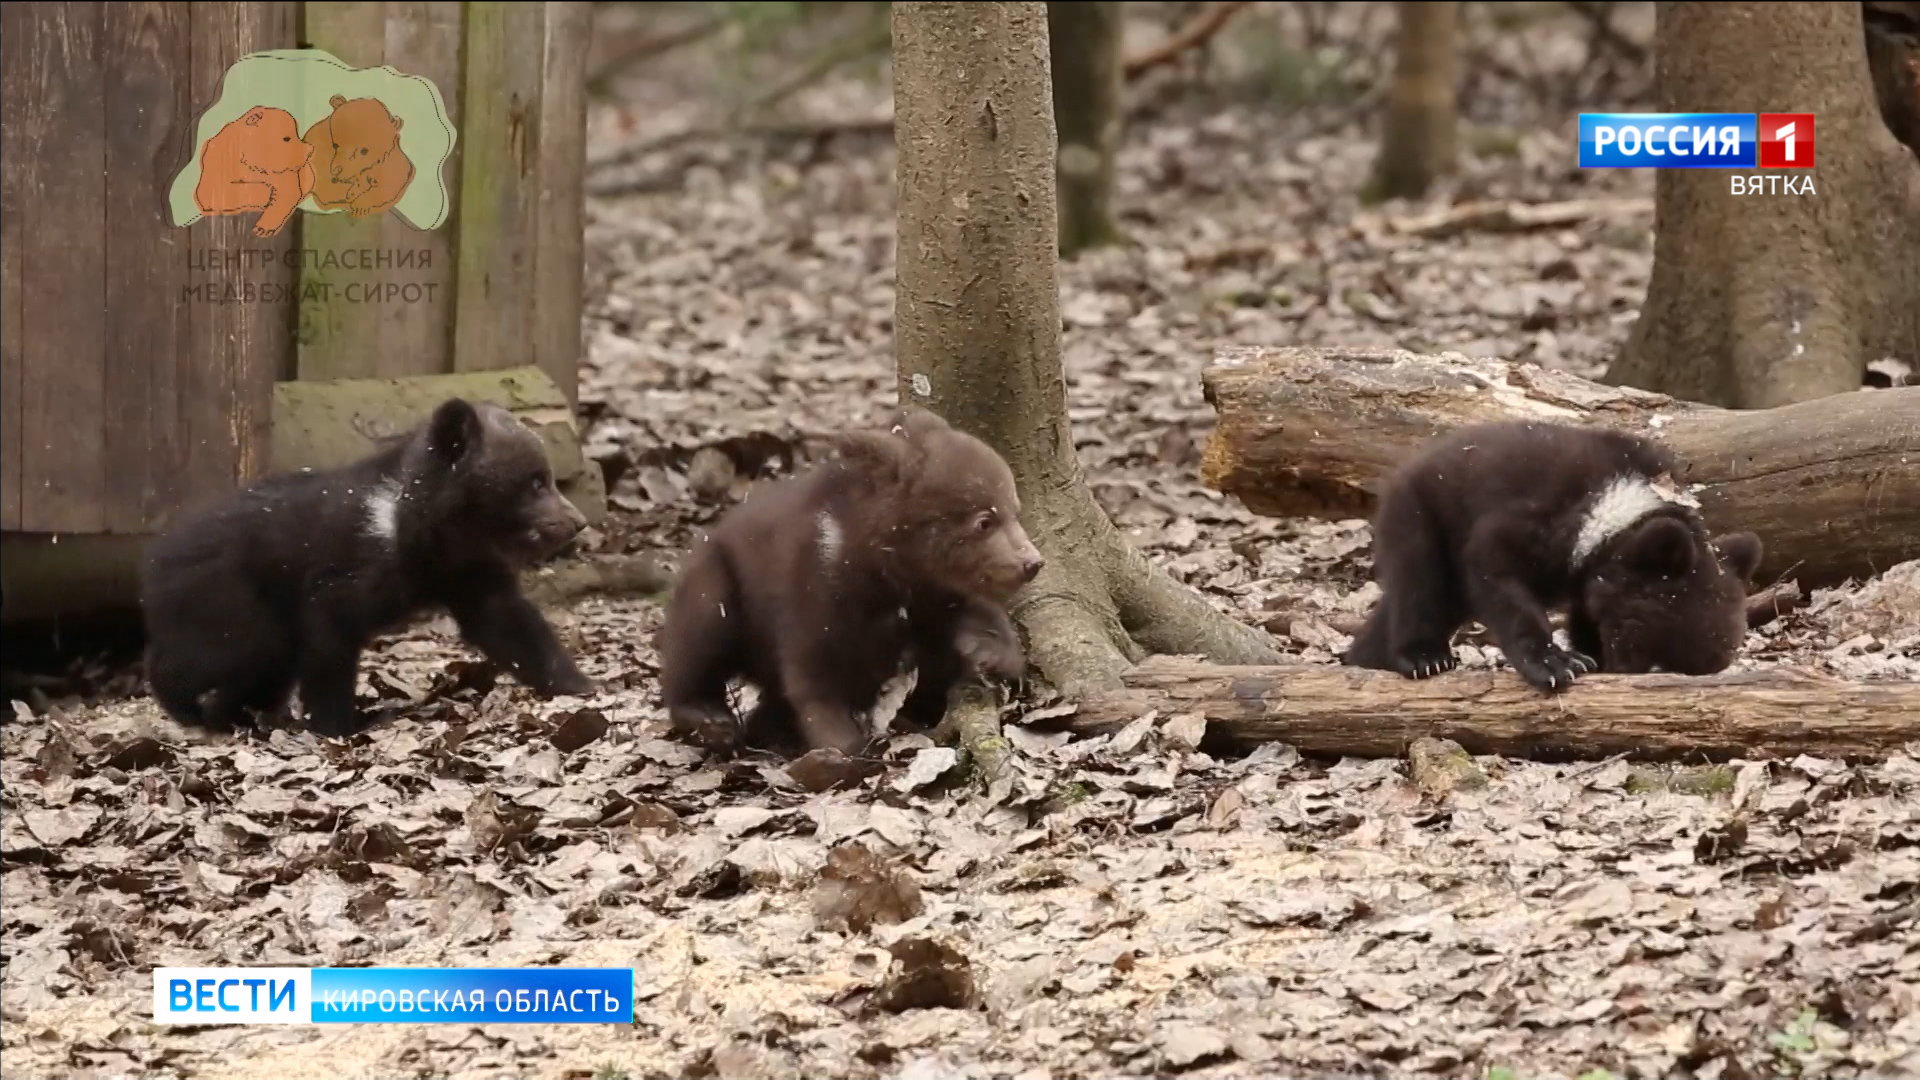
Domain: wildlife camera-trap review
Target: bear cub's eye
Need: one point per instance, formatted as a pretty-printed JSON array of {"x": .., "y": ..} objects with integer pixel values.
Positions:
[
  {"x": 537, "y": 485},
  {"x": 986, "y": 521}
]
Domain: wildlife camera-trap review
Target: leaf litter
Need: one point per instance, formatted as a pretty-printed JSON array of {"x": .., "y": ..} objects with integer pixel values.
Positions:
[{"x": 1128, "y": 905}]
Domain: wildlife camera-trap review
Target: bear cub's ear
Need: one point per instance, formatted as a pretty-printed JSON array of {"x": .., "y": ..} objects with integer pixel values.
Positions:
[
  {"x": 1661, "y": 546},
  {"x": 454, "y": 430},
  {"x": 1740, "y": 553}
]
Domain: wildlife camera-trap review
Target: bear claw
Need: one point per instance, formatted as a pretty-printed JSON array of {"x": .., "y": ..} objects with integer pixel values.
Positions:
[
  {"x": 1556, "y": 669},
  {"x": 1425, "y": 665}
]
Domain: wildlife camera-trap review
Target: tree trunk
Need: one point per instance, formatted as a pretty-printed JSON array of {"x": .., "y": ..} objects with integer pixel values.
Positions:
[
  {"x": 1832, "y": 485},
  {"x": 1767, "y": 299},
  {"x": 977, "y": 333},
  {"x": 1334, "y": 711},
  {"x": 1084, "y": 41},
  {"x": 1418, "y": 143}
]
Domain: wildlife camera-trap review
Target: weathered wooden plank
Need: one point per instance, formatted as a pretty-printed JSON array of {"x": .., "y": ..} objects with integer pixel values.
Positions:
[
  {"x": 16, "y": 173},
  {"x": 236, "y": 347},
  {"x": 323, "y": 424},
  {"x": 493, "y": 325},
  {"x": 423, "y": 38},
  {"x": 339, "y": 339},
  {"x": 559, "y": 255},
  {"x": 146, "y": 63},
  {"x": 63, "y": 290}
]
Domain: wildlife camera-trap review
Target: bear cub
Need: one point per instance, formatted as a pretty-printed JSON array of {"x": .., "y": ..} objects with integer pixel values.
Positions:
[
  {"x": 1499, "y": 522},
  {"x": 818, "y": 589},
  {"x": 287, "y": 581}
]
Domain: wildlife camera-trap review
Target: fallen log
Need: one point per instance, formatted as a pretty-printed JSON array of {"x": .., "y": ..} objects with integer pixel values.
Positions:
[
  {"x": 1339, "y": 711},
  {"x": 1831, "y": 485}
]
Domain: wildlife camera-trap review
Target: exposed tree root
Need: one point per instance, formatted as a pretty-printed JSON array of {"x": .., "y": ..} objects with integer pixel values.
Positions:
[{"x": 1101, "y": 606}]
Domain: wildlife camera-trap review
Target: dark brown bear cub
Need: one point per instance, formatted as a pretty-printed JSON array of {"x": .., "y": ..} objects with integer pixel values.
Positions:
[
  {"x": 1501, "y": 521},
  {"x": 286, "y": 582},
  {"x": 820, "y": 588}
]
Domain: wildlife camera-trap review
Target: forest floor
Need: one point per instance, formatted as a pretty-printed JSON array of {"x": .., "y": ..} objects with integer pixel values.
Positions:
[{"x": 1128, "y": 906}]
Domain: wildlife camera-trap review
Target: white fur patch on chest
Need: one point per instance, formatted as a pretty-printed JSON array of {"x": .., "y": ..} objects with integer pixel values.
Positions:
[
  {"x": 383, "y": 511},
  {"x": 1621, "y": 505},
  {"x": 831, "y": 537}
]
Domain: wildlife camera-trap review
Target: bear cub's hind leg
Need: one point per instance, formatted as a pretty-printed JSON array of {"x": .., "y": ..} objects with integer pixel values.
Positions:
[{"x": 1411, "y": 628}]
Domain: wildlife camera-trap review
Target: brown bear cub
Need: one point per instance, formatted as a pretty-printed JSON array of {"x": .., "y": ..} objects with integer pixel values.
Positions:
[
  {"x": 288, "y": 580},
  {"x": 1498, "y": 522},
  {"x": 820, "y": 588}
]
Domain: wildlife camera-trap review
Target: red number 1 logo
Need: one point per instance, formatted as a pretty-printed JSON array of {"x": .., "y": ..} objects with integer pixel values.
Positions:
[{"x": 1786, "y": 140}]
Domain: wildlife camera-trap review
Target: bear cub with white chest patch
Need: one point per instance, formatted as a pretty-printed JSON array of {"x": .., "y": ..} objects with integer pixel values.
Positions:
[
  {"x": 287, "y": 581},
  {"x": 820, "y": 588},
  {"x": 1499, "y": 522}
]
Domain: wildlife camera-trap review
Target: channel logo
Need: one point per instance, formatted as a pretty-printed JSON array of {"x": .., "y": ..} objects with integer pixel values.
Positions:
[
  {"x": 240, "y": 995},
  {"x": 1786, "y": 140},
  {"x": 1696, "y": 140}
]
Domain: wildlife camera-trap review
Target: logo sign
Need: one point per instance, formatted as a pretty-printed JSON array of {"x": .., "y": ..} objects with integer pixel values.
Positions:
[
  {"x": 238, "y": 995},
  {"x": 297, "y": 129},
  {"x": 1786, "y": 140},
  {"x": 1667, "y": 140}
]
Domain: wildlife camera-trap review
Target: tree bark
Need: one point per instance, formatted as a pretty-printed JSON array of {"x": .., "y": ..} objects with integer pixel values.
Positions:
[
  {"x": 1764, "y": 300},
  {"x": 1418, "y": 144},
  {"x": 1333, "y": 711},
  {"x": 1084, "y": 42},
  {"x": 1831, "y": 485},
  {"x": 977, "y": 331}
]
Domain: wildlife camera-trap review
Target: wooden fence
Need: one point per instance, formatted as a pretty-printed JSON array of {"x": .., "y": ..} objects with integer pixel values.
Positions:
[{"x": 128, "y": 392}]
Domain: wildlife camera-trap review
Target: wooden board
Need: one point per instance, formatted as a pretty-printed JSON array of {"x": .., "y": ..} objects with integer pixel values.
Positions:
[
  {"x": 149, "y": 129},
  {"x": 17, "y": 37},
  {"x": 235, "y": 348},
  {"x": 63, "y": 269},
  {"x": 493, "y": 326},
  {"x": 322, "y": 425},
  {"x": 559, "y": 258},
  {"x": 423, "y": 38},
  {"x": 339, "y": 339}
]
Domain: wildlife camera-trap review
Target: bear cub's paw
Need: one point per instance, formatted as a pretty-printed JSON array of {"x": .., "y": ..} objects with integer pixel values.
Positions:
[{"x": 1555, "y": 669}]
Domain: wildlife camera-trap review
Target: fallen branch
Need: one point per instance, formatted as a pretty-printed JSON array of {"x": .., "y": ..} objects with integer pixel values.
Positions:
[
  {"x": 1196, "y": 33},
  {"x": 1831, "y": 485},
  {"x": 777, "y": 130},
  {"x": 1336, "y": 711},
  {"x": 1774, "y": 601},
  {"x": 1511, "y": 217},
  {"x": 615, "y": 575},
  {"x": 638, "y": 45},
  {"x": 872, "y": 39}
]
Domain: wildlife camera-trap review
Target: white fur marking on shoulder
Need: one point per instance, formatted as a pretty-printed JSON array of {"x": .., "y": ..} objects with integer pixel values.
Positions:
[
  {"x": 1623, "y": 503},
  {"x": 383, "y": 510},
  {"x": 831, "y": 536}
]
